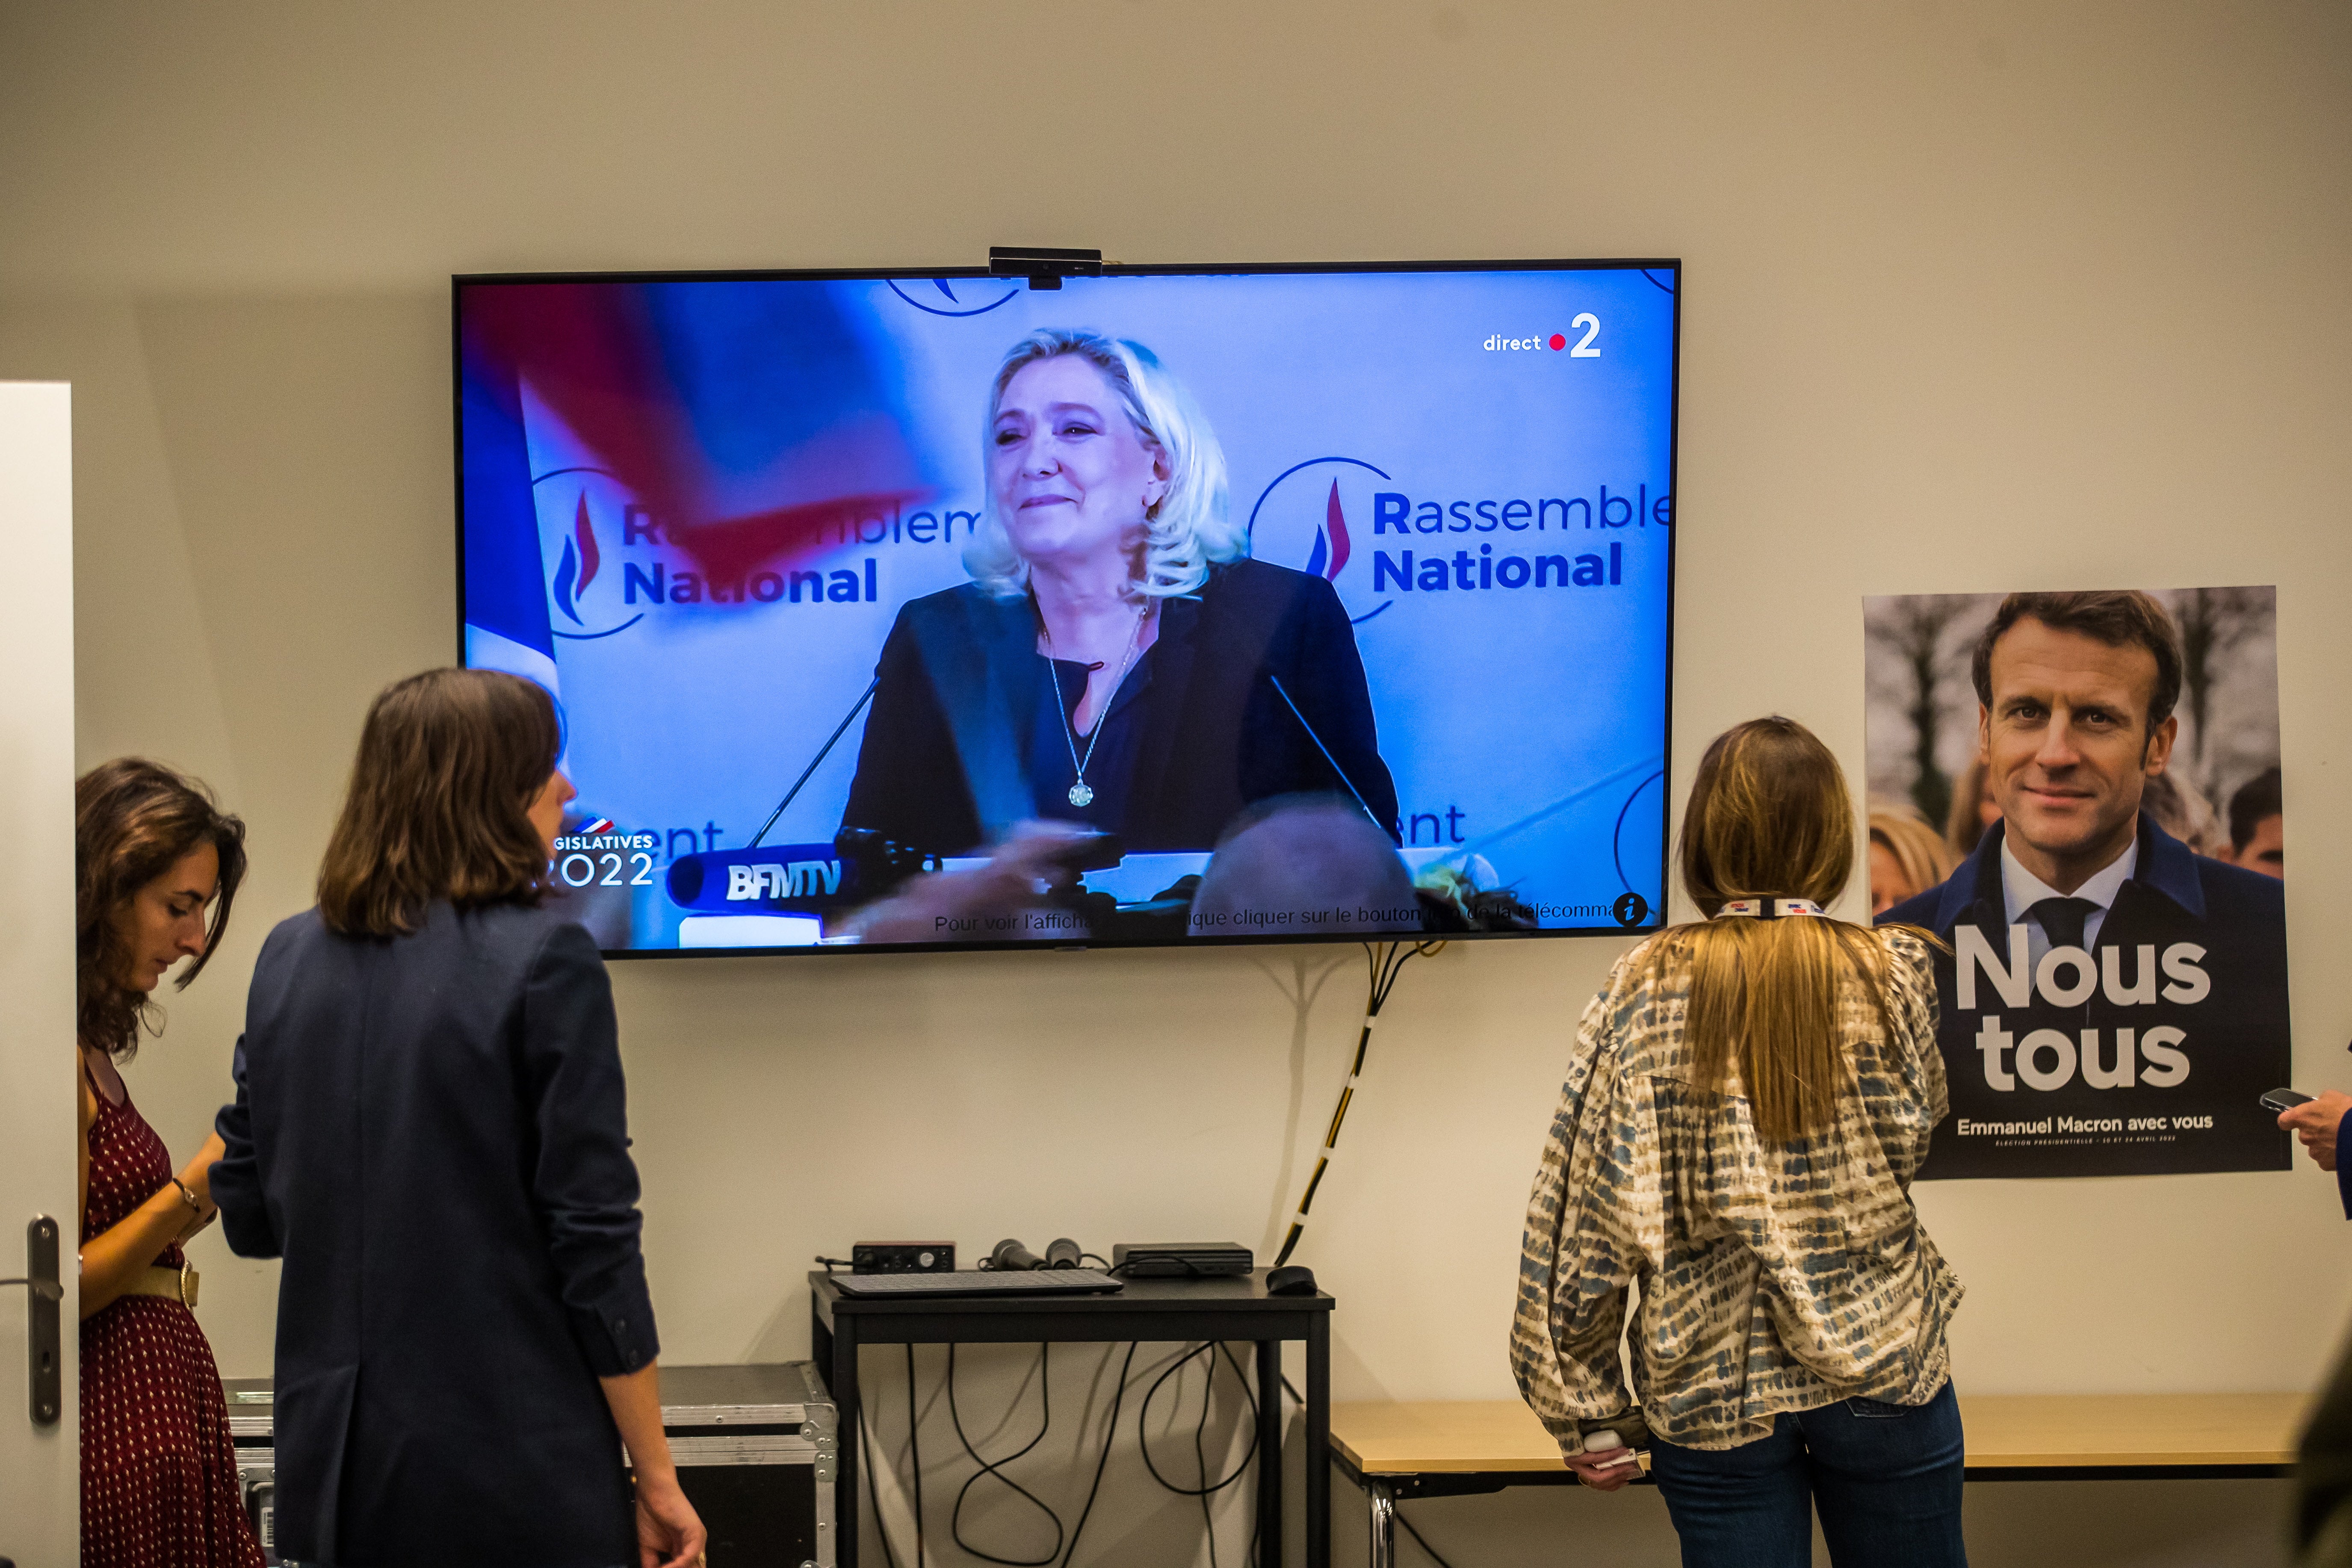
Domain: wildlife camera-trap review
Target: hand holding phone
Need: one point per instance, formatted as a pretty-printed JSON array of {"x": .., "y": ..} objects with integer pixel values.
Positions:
[
  {"x": 2314, "y": 1119},
  {"x": 1606, "y": 1461},
  {"x": 1601, "y": 1442}
]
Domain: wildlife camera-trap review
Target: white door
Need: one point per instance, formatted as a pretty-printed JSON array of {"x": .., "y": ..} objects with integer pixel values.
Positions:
[{"x": 40, "y": 1499}]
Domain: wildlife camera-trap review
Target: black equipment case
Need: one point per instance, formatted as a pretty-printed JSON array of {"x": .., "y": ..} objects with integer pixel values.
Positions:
[{"x": 757, "y": 1451}]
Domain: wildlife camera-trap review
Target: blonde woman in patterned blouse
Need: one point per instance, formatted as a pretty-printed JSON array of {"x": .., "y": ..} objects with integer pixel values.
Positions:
[{"x": 1746, "y": 1102}]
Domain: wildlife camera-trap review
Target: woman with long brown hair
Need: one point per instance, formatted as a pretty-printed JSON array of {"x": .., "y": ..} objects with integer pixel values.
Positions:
[
  {"x": 156, "y": 869},
  {"x": 430, "y": 1130},
  {"x": 1746, "y": 1101}
]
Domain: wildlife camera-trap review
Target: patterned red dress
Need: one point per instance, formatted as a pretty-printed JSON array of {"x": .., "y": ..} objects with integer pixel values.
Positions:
[{"x": 158, "y": 1472}]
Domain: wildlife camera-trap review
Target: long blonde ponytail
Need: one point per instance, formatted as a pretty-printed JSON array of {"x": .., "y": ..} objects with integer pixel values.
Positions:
[{"x": 1769, "y": 817}]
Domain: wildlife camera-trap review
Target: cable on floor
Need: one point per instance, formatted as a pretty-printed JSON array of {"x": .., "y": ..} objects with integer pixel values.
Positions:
[
  {"x": 1398, "y": 1514},
  {"x": 914, "y": 1454},
  {"x": 1111, "y": 1432},
  {"x": 996, "y": 1467}
]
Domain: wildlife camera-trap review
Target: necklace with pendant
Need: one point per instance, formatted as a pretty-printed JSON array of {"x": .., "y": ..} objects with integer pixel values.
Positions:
[{"x": 1082, "y": 794}]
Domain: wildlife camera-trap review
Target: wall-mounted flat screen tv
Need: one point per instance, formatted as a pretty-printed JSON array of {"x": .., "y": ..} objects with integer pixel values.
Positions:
[{"x": 1171, "y": 603}]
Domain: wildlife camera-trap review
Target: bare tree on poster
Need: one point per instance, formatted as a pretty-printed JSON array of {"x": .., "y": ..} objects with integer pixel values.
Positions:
[
  {"x": 2214, "y": 622},
  {"x": 1913, "y": 629}
]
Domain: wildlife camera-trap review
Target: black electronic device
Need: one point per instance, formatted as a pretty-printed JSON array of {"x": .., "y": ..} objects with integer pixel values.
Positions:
[
  {"x": 1045, "y": 267},
  {"x": 1009, "y": 1254},
  {"x": 901, "y": 1257},
  {"x": 1629, "y": 1430},
  {"x": 2285, "y": 1100},
  {"x": 1180, "y": 1259},
  {"x": 1063, "y": 1253},
  {"x": 980, "y": 1282},
  {"x": 1290, "y": 1279}
]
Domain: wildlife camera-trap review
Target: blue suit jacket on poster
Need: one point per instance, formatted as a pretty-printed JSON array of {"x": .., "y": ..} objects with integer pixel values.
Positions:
[
  {"x": 430, "y": 1130},
  {"x": 941, "y": 762},
  {"x": 2234, "y": 1038}
]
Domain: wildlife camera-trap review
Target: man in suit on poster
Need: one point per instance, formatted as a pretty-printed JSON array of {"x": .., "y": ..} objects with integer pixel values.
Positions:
[{"x": 2113, "y": 1003}]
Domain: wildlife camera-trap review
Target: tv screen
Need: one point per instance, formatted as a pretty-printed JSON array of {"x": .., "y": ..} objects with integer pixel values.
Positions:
[{"x": 1166, "y": 605}]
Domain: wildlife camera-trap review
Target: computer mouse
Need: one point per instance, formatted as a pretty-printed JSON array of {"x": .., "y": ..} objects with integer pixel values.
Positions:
[{"x": 1292, "y": 1280}]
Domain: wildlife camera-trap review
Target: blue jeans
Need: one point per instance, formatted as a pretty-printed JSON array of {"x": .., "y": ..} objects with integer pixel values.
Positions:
[{"x": 1886, "y": 1479}]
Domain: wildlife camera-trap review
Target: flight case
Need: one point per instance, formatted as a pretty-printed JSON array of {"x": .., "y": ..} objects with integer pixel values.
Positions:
[{"x": 756, "y": 1448}]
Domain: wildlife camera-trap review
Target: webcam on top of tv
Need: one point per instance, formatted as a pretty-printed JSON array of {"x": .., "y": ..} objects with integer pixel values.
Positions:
[{"x": 1044, "y": 269}]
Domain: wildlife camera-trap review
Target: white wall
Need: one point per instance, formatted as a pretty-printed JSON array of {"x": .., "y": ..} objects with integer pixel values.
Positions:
[
  {"x": 38, "y": 1479},
  {"x": 1977, "y": 297}
]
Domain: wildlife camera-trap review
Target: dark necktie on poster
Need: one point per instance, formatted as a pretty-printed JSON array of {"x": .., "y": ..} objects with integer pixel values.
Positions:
[{"x": 2062, "y": 919}]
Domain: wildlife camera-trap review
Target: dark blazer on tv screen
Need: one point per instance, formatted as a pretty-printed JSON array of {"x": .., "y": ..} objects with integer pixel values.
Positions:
[
  {"x": 430, "y": 1130},
  {"x": 941, "y": 766}
]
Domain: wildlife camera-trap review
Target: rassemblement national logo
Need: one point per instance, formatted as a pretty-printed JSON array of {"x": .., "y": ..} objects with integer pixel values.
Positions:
[
  {"x": 979, "y": 296},
  {"x": 583, "y": 601},
  {"x": 1374, "y": 536},
  {"x": 1302, "y": 520}
]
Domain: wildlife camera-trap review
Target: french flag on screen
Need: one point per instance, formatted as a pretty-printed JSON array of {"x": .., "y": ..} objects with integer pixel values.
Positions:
[{"x": 505, "y": 604}]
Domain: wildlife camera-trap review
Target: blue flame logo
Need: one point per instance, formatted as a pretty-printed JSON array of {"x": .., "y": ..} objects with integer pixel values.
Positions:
[{"x": 974, "y": 287}]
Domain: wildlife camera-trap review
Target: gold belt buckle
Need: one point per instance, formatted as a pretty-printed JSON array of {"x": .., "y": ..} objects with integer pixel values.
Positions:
[{"x": 190, "y": 1281}]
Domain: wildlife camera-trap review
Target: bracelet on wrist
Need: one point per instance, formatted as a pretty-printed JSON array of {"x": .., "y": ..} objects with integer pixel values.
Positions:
[{"x": 187, "y": 1193}]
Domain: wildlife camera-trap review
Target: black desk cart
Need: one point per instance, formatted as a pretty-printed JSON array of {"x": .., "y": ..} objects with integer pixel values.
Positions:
[{"x": 1158, "y": 1311}]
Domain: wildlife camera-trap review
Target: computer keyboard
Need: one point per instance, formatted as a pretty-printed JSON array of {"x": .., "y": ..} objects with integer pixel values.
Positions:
[{"x": 980, "y": 1282}]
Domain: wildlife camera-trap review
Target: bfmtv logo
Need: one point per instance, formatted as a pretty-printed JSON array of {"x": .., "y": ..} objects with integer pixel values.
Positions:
[
  {"x": 794, "y": 880},
  {"x": 1311, "y": 519}
]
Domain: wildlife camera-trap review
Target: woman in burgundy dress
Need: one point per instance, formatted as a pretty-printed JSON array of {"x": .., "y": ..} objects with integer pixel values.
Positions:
[{"x": 159, "y": 1484}]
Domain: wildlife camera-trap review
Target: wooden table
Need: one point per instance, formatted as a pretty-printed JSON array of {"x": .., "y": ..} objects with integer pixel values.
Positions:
[{"x": 1448, "y": 1448}]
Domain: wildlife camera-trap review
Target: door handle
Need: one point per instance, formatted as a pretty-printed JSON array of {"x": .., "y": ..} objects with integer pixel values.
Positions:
[{"x": 43, "y": 1354}]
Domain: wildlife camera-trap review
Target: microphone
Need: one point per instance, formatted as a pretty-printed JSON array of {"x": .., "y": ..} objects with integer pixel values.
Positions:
[
  {"x": 824, "y": 751},
  {"x": 1011, "y": 1254},
  {"x": 1062, "y": 1253},
  {"x": 1327, "y": 757}
]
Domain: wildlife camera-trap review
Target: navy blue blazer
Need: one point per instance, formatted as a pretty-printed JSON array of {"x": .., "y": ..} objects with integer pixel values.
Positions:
[
  {"x": 2344, "y": 1165},
  {"x": 431, "y": 1131},
  {"x": 942, "y": 763},
  {"x": 2235, "y": 1041}
]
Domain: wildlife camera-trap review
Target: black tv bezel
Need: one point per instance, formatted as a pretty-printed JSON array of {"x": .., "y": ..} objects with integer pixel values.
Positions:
[{"x": 1672, "y": 266}]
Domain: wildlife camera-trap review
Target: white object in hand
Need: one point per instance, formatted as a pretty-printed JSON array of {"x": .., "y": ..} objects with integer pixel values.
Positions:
[{"x": 1603, "y": 1440}]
